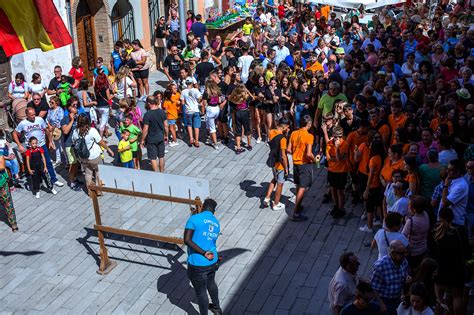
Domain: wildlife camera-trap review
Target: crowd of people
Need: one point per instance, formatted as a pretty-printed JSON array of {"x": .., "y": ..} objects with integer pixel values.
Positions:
[{"x": 385, "y": 106}]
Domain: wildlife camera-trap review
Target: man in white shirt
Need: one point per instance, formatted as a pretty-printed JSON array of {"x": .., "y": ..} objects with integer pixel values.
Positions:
[
  {"x": 455, "y": 192},
  {"x": 342, "y": 287},
  {"x": 281, "y": 51},
  {"x": 34, "y": 126},
  {"x": 244, "y": 63},
  {"x": 191, "y": 98}
]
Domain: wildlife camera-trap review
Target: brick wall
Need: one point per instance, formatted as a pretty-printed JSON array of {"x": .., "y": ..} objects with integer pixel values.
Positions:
[{"x": 103, "y": 34}]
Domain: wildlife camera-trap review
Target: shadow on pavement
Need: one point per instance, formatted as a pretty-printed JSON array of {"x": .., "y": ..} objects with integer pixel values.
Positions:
[
  {"x": 111, "y": 239},
  {"x": 176, "y": 285}
]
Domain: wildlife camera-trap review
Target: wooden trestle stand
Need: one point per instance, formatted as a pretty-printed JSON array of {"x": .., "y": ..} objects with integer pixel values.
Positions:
[{"x": 106, "y": 264}]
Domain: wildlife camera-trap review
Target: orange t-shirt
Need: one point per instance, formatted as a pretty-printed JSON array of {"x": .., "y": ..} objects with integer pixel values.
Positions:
[
  {"x": 396, "y": 123},
  {"x": 435, "y": 124},
  {"x": 337, "y": 166},
  {"x": 299, "y": 140},
  {"x": 384, "y": 131},
  {"x": 375, "y": 162},
  {"x": 411, "y": 178},
  {"x": 283, "y": 143},
  {"x": 354, "y": 139},
  {"x": 364, "y": 160},
  {"x": 389, "y": 167},
  {"x": 172, "y": 107}
]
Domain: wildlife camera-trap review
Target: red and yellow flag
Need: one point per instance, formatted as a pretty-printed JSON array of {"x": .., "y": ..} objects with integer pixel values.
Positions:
[{"x": 28, "y": 24}]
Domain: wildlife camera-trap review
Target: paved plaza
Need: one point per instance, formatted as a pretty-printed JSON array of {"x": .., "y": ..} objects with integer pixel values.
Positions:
[{"x": 271, "y": 265}]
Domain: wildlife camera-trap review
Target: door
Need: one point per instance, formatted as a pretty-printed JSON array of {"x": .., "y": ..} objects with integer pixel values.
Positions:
[
  {"x": 5, "y": 75},
  {"x": 87, "y": 45}
]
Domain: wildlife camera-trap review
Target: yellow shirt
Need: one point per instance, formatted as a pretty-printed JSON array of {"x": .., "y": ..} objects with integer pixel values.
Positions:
[
  {"x": 247, "y": 29},
  {"x": 125, "y": 156}
]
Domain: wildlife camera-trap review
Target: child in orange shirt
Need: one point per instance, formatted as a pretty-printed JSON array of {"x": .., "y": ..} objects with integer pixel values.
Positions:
[{"x": 172, "y": 107}]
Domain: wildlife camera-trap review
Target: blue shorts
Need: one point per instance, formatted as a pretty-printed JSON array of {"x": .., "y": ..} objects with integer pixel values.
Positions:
[
  {"x": 171, "y": 122},
  {"x": 192, "y": 120},
  {"x": 128, "y": 164}
]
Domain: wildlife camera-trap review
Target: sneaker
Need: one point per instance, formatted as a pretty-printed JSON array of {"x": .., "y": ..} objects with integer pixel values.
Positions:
[
  {"x": 249, "y": 147},
  {"x": 166, "y": 151},
  {"x": 363, "y": 216},
  {"x": 339, "y": 214},
  {"x": 216, "y": 310},
  {"x": 75, "y": 187},
  {"x": 215, "y": 146},
  {"x": 238, "y": 151},
  {"x": 334, "y": 211},
  {"x": 366, "y": 229},
  {"x": 174, "y": 143},
  {"x": 259, "y": 140},
  {"x": 58, "y": 183},
  {"x": 53, "y": 191},
  {"x": 266, "y": 202},
  {"x": 38, "y": 195},
  {"x": 279, "y": 206},
  {"x": 143, "y": 98},
  {"x": 377, "y": 223}
]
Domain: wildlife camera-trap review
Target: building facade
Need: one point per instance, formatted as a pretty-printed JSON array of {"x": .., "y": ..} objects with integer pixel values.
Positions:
[{"x": 94, "y": 26}]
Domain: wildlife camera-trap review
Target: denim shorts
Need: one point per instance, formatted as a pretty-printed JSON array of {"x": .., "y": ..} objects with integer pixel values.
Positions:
[
  {"x": 192, "y": 120},
  {"x": 172, "y": 122}
]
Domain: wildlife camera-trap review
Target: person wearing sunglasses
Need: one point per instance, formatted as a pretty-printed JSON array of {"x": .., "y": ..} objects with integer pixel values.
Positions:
[{"x": 41, "y": 108}]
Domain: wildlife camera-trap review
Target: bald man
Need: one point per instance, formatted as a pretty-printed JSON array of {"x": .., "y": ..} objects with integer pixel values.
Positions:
[{"x": 389, "y": 275}]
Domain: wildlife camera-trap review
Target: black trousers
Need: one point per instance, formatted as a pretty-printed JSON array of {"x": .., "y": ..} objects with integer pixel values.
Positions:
[
  {"x": 203, "y": 281},
  {"x": 39, "y": 176}
]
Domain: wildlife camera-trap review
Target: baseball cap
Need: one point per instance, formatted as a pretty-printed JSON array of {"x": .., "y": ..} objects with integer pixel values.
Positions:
[
  {"x": 189, "y": 81},
  {"x": 339, "y": 50}
]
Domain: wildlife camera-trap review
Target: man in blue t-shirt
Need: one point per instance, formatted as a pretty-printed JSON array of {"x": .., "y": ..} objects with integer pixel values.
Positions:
[
  {"x": 117, "y": 55},
  {"x": 200, "y": 235},
  {"x": 199, "y": 29}
]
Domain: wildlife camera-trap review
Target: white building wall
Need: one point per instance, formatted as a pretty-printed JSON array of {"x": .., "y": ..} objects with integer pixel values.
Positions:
[{"x": 41, "y": 62}]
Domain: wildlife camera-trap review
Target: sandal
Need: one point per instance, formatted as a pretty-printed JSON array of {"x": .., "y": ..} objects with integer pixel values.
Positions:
[
  {"x": 14, "y": 228},
  {"x": 196, "y": 144}
]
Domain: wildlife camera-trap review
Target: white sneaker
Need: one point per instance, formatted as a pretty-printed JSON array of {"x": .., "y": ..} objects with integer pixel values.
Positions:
[
  {"x": 266, "y": 202},
  {"x": 366, "y": 229},
  {"x": 363, "y": 216},
  {"x": 279, "y": 206},
  {"x": 259, "y": 140},
  {"x": 53, "y": 191},
  {"x": 166, "y": 151},
  {"x": 174, "y": 143},
  {"x": 377, "y": 223},
  {"x": 216, "y": 146},
  {"x": 38, "y": 195},
  {"x": 58, "y": 183}
]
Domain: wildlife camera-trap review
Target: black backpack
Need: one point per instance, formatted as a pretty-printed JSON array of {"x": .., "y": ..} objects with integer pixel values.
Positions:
[
  {"x": 81, "y": 149},
  {"x": 275, "y": 150}
]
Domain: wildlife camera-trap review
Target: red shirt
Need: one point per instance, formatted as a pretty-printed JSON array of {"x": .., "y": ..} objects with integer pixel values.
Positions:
[{"x": 77, "y": 73}]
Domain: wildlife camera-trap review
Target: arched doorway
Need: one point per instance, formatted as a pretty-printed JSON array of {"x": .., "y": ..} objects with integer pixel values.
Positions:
[
  {"x": 123, "y": 23},
  {"x": 94, "y": 32},
  {"x": 86, "y": 42}
]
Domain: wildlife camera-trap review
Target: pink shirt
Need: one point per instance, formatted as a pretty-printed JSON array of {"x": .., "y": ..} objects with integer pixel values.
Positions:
[
  {"x": 138, "y": 55},
  {"x": 416, "y": 230}
]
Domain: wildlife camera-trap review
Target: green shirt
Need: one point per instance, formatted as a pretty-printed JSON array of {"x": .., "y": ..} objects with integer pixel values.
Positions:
[
  {"x": 326, "y": 103},
  {"x": 134, "y": 133}
]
